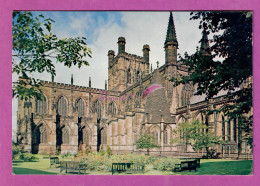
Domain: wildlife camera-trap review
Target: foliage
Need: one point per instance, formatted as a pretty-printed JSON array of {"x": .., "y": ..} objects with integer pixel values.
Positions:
[
  {"x": 108, "y": 151},
  {"x": 232, "y": 42},
  {"x": 28, "y": 157},
  {"x": 146, "y": 141},
  {"x": 197, "y": 135},
  {"x": 35, "y": 48},
  {"x": 211, "y": 154},
  {"x": 101, "y": 150},
  {"x": 19, "y": 154},
  {"x": 16, "y": 150},
  {"x": 165, "y": 164}
]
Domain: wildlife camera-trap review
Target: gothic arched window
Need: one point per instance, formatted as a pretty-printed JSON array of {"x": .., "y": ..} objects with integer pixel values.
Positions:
[
  {"x": 186, "y": 94},
  {"x": 128, "y": 76},
  {"x": 62, "y": 106},
  {"x": 155, "y": 136},
  {"x": 165, "y": 137},
  {"x": 41, "y": 105},
  {"x": 112, "y": 109},
  {"x": 97, "y": 108},
  {"x": 228, "y": 130},
  {"x": 65, "y": 136},
  {"x": 43, "y": 135},
  {"x": 103, "y": 136},
  {"x": 80, "y": 106}
]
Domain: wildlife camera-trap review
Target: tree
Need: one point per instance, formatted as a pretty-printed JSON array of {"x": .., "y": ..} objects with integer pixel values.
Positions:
[
  {"x": 36, "y": 48},
  {"x": 147, "y": 142},
  {"x": 197, "y": 136},
  {"x": 232, "y": 42}
]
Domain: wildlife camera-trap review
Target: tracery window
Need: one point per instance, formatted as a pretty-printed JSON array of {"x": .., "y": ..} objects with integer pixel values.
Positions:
[
  {"x": 97, "y": 108},
  {"x": 112, "y": 109},
  {"x": 43, "y": 135},
  {"x": 103, "y": 136},
  {"x": 41, "y": 105},
  {"x": 186, "y": 94},
  {"x": 155, "y": 136},
  {"x": 80, "y": 106},
  {"x": 165, "y": 137},
  {"x": 62, "y": 106},
  {"x": 228, "y": 130},
  {"x": 65, "y": 136}
]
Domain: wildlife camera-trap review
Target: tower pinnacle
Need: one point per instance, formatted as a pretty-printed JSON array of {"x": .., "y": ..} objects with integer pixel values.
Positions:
[
  {"x": 171, "y": 34},
  {"x": 204, "y": 47}
]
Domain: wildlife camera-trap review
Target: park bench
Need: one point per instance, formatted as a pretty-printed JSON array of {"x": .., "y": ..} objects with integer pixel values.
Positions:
[
  {"x": 186, "y": 165},
  {"x": 73, "y": 166},
  {"x": 196, "y": 159},
  {"x": 54, "y": 161},
  {"x": 127, "y": 168}
]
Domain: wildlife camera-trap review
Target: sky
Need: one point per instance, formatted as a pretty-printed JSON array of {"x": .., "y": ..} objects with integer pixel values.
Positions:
[{"x": 102, "y": 30}]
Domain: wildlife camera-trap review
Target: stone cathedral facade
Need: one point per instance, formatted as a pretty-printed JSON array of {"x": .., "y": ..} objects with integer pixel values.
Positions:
[{"x": 69, "y": 117}]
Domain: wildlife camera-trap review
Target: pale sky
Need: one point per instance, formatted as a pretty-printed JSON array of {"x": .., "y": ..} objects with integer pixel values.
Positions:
[{"x": 102, "y": 30}]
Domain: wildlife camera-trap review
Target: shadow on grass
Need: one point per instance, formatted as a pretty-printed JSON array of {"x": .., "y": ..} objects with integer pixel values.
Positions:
[
  {"x": 223, "y": 168},
  {"x": 19, "y": 170}
]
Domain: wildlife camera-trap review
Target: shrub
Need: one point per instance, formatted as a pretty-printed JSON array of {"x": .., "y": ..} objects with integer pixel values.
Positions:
[
  {"x": 16, "y": 150},
  {"x": 211, "y": 154},
  {"x": 87, "y": 149},
  {"x": 101, "y": 150},
  {"x": 108, "y": 151},
  {"x": 27, "y": 157},
  {"x": 165, "y": 164}
]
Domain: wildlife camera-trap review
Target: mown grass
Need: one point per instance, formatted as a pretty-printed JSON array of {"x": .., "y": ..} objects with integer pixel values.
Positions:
[{"x": 208, "y": 167}]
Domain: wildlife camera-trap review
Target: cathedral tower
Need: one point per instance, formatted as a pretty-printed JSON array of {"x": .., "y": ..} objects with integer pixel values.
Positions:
[{"x": 171, "y": 46}]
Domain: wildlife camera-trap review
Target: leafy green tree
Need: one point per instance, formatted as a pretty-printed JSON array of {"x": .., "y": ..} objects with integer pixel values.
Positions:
[
  {"x": 225, "y": 64},
  {"x": 196, "y": 134},
  {"x": 147, "y": 142},
  {"x": 36, "y": 48}
]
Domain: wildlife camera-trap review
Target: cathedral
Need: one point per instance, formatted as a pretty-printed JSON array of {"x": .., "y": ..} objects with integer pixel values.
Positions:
[{"x": 70, "y": 118}]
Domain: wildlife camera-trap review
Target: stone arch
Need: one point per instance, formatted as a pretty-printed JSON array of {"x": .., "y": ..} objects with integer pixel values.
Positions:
[{"x": 39, "y": 136}]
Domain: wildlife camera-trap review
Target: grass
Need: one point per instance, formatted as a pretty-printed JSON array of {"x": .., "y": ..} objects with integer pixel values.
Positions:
[{"x": 208, "y": 167}]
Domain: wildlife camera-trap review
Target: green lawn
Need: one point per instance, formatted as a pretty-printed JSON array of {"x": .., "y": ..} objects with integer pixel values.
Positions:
[{"x": 208, "y": 167}]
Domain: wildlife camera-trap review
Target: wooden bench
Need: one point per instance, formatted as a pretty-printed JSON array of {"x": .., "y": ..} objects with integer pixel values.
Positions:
[
  {"x": 73, "y": 166},
  {"x": 186, "y": 165},
  {"x": 54, "y": 161},
  {"x": 197, "y": 160},
  {"x": 127, "y": 168}
]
